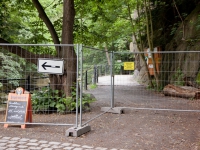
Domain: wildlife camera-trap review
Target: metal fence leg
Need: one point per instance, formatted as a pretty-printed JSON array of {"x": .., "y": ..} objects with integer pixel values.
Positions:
[
  {"x": 86, "y": 80},
  {"x": 28, "y": 83},
  {"x": 97, "y": 74},
  {"x": 78, "y": 130}
]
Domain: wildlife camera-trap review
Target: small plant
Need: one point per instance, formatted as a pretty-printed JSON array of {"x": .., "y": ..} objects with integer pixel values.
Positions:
[
  {"x": 93, "y": 86},
  {"x": 86, "y": 100},
  {"x": 198, "y": 79},
  {"x": 154, "y": 86},
  {"x": 178, "y": 77},
  {"x": 48, "y": 100},
  {"x": 45, "y": 100}
]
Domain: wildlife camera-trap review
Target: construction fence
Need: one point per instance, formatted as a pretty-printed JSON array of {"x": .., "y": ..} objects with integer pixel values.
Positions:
[
  {"x": 40, "y": 70},
  {"x": 60, "y": 80}
]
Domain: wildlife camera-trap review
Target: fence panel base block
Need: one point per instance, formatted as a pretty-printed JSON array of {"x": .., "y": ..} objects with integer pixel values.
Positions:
[
  {"x": 115, "y": 110},
  {"x": 76, "y": 132}
]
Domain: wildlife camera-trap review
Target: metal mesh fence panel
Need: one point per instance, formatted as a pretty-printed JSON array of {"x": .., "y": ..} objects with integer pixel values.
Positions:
[
  {"x": 96, "y": 66},
  {"x": 117, "y": 79},
  {"x": 175, "y": 88},
  {"x": 35, "y": 68}
]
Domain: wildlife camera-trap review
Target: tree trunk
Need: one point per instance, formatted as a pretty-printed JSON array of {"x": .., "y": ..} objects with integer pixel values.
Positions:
[
  {"x": 68, "y": 79},
  {"x": 149, "y": 30},
  {"x": 107, "y": 55},
  {"x": 139, "y": 42}
]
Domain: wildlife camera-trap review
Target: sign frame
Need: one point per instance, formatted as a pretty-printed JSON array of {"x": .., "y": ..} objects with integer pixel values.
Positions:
[
  {"x": 16, "y": 98},
  {"x": 50, "y": 66}
]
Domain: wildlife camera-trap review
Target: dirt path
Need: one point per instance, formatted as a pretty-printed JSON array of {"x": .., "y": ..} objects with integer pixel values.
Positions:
[
  {"x": 173, "y": 125},
  {"x": 118, "y": 80},
  {"x": 151, "y": 120}
]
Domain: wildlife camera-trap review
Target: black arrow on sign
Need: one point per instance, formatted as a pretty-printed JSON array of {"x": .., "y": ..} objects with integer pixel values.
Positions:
[{"x": 44, "y": 66}]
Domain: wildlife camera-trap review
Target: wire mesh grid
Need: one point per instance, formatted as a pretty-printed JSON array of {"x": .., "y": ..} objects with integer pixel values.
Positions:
[
  {"x": 96, "y": 65},
  {"x": 177, "y": 75},
  {"x": 49, "y": 89},
  {"x": 176, "y": 87}
]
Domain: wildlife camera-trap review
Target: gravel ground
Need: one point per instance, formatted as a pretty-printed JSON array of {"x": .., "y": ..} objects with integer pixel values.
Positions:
[{"x": 150, "y": 121}]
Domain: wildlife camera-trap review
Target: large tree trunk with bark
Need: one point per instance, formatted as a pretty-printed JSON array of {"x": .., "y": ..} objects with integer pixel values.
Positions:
[{"x": 66, "y": 81}]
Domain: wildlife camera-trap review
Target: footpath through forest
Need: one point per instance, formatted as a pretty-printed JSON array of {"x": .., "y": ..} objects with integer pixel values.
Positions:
[{"x": 151, "y": 121}]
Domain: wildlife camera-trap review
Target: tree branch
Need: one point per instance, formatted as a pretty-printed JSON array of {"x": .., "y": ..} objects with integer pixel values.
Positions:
[
  {"x": 183, "y": 38},
  {"x": 47, "y": 21},
  {"x": 21, "y": 52}
]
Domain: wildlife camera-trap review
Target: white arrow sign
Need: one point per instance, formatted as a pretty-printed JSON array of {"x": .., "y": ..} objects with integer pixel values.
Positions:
[{"x": 51, "y": 66}]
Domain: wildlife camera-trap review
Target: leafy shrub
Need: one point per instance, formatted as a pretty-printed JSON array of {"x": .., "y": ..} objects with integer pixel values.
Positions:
[
  {"x": 118, "y": 67},
  {"x": 48, "y": 100},
  {"x": 44, "y": 100},
  {"x": 10, "y": 68}
]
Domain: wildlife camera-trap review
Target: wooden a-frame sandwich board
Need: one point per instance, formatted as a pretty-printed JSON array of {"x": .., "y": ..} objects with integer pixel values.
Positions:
[{"x": 19, "y": 108}]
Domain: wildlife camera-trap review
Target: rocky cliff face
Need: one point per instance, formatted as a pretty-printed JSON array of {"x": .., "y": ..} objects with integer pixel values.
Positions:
[
  {"x": 177, "y": 66},
  {"x": 186, "y": 39}
]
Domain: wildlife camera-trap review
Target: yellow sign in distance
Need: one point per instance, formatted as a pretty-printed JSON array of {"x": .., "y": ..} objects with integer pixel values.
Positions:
[{"x": 129, "y": 66}]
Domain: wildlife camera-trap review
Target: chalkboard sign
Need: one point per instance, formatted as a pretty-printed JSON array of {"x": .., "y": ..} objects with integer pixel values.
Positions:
[
  {"x": 16, "y": 111},
  {"x": 19, "y": 108}
]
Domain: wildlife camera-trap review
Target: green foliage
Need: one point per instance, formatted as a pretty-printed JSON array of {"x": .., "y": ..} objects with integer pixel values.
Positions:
[
  {"x": 118, "y": 67},
  {"x": 198, "y": 79},
  {"x": 178, "y": 77},
  {"x": 198, "y": 23},
  {"x": 86, "y": 100},
  {"x": 93, "y": 86},
  {"x": 19, "y": 22},
  {"x": 13, "y": 67},
  {"x": 48, "y": 100},
  {"x": 101, "y": 22},
  {"x": 44, "y": 100},
  {"x": 154, "y": 86},
  {"x": 10, "y": 68},
  {"x": 174, "y": 28}
]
